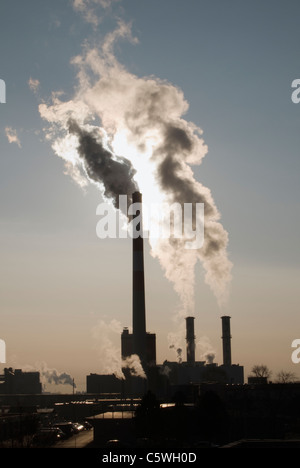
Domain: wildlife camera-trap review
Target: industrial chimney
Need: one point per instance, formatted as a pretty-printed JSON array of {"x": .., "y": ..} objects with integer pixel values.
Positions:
[
  {"x": 190, "y": 341},
  {"x": 226, "y": 337},
  {"x": 138, "y": 287}
]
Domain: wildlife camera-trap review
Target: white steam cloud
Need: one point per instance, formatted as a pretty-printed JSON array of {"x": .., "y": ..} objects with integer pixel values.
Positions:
[
  {"x": 136, "y": 125},
  {"x": 12, "y": 136},
  {"x": 33, "y": 84},
  {"x": 89, "y": 10},
  {"x": 110, "y": 361},
  {"x": 206, "y": 350},
  {"x": 50, "y": 375}
]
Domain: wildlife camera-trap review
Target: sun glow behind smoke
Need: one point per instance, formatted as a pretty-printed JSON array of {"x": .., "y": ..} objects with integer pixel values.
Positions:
[
  {"x": 142, "y": 143},
  {"x": 141, "y": 161},
  {"x": 144, "y": 176}
]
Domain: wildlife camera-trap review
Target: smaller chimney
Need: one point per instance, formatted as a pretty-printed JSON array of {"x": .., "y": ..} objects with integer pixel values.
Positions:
[
  {"x": 190, "y": 341},
  {"x": 226, "y": 337}
]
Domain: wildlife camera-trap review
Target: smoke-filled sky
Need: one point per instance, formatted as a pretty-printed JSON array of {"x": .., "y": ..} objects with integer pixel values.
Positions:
[{"x": 189, "y": 102}]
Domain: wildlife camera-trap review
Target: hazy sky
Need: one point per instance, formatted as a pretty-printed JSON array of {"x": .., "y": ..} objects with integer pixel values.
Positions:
[{"x": 64, "y": 293}]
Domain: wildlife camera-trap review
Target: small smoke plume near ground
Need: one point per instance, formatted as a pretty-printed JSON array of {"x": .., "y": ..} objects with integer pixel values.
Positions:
[
  {"x": 206, "y": 351},
  {"x": 105, "y": 334},
  {"x": 210, "y": 358},
  {"x": 51, "y": 375},
  {"x": 176, "y": 340},
  {"x": 178, "y": 353},
  {"x": 133, "y": 363},
  {"x": 141, "y": 139}
]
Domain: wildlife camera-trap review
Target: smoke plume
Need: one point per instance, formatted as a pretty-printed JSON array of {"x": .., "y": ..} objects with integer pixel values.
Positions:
[
  {"x": 141, "y": 119},
  {"x": 110, "y": 361},
  {"x": 206, "y": 350},
  {"x": 210, "y": 358},
  {"x": 51, "y": 375},
  {"x": 89, "y": 10},
  {"x": 133, "y": 363},
  {"x": 115, "y": 173}
]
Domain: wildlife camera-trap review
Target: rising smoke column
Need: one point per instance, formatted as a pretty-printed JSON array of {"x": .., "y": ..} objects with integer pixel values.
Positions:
[
  {"x": 142, "y": 119},
  {"x": 115, "y": 173}
]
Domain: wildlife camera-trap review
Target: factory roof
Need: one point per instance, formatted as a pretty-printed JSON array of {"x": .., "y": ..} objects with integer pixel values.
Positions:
[{"x": 114, "y": 415}]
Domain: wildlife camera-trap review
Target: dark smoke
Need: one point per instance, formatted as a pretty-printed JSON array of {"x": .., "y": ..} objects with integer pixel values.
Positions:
[
  {"x": 172, "y": 175},
  {"x": 116, "y": 173},
  {"x": 53, "y": 377},
  {"x": 179, "y": 353},
  {"x": 210, "y": 358}
]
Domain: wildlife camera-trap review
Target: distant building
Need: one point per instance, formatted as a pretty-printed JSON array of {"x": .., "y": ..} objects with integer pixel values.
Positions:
[
  {"x": 253, "y": 380},
  {"x": 185, "y": 374},
  {"x": 234, "y": 373},
  {"x": 99, "y": 383},
  {"x": 16, "y": 381}
]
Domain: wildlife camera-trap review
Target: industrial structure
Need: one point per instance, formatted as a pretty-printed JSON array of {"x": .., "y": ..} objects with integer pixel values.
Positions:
[
  {"x": 190, "y": 341},
  {"x": 138, "y": 287},
  {"x": 150, "y": 347},
  {"x": 226, "y": 337},
  {"x": 168, "y": 377},
  {"x": 140, "y": 342},
  {"x": 19, "y": 382}
]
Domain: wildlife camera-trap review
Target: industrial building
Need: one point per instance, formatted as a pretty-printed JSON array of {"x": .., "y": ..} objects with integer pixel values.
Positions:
[
  {"x": 127, "y": 346},
  {"x": 170, "y": 376},
  {"x": 19, "y": 382},
  {"x": 191, "y": 372}
]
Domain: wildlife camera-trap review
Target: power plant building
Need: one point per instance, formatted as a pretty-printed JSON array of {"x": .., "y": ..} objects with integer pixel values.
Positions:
[
  {"x": 127, "y": 347},
  {"x": 96, "y": 383},
  {"x": 160, "y": 378},
  {"x": 194, "y": 372}
]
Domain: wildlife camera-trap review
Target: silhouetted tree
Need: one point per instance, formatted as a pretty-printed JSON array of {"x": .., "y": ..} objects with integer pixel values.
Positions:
[
  {"x": 285, "y": 377},
  {"x": 261, "y": 371}
]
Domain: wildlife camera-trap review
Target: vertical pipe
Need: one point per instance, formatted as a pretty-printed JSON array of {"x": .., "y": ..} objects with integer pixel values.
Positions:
[
  {"x": 190, "y": 341},
  {"x": 138, "y": 288},
  {"x": 226, "y": 337}
]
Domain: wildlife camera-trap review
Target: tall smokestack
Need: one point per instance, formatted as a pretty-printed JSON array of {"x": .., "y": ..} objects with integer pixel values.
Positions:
[
  {"x": 190, "y": 340},
  {"x": 226, "y": 337},
  {"x": 138, "y": 288}
]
